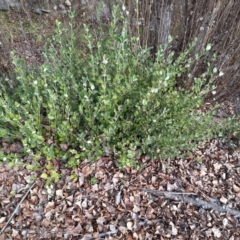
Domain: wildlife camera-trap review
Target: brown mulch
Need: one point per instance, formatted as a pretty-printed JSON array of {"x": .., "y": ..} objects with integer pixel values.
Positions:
[{"x": 198, "y": 197}]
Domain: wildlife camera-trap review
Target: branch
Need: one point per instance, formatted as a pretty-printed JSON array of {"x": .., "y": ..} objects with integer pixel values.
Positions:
[
  {"x": 194, "y": 201},
  {"x": 16, "y": 209}
]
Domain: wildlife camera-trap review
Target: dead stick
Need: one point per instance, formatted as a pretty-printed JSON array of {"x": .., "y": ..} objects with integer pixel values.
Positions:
[
  {"x": 15, "y": 210},
  {"x": 159, "y": 192},
  {"x": 194, "y": 201}
]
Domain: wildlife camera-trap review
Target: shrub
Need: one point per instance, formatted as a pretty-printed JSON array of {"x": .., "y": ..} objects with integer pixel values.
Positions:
[{"x": 111, "y": 94}]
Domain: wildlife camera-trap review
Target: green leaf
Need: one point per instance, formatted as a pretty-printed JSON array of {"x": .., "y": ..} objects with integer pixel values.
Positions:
[
  {"x": 144, "y": 102},
  {"x": 221, "y": 73},
  {"x": 215, "y": 70},
  {"x": 170, "y": 39},
  {"x": 209, "y": 46},
  {"x": 44, "y": 176},
  {"x": 51, "y": 117}
]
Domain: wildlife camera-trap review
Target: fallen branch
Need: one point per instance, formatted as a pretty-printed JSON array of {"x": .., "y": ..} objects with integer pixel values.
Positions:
[
  {"x": 179, "y": 196},
  {"x": 16, "y": 209}
]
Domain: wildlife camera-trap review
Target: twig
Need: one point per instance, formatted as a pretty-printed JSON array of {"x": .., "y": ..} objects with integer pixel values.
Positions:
[
  {"x": 189, "y": 184},
  {"x": 101, "y": 235},
  {"x": 162, "y": 193},
  {"x": 194, "y": 201},
  {"x": 195, "y": 188},
  {"x": 16, "y": 209}
]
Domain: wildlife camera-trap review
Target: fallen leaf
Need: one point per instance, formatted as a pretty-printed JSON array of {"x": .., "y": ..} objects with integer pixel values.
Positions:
[
  {"x": 64, "y": 147},
  {"x": 174, "y": 229},
  {"x": 86, "y": 170},
  {"x": 217, "y": 167},
  {"x": 217, "y": 233},
  {"x": 236, "y": 188}
]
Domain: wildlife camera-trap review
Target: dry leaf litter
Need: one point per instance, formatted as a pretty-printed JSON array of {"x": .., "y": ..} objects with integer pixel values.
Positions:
[{"x": 195, "y": 197}]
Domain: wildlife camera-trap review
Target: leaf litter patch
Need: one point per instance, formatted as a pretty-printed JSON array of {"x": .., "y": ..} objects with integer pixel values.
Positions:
[{"x": 195, "y": 197}]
